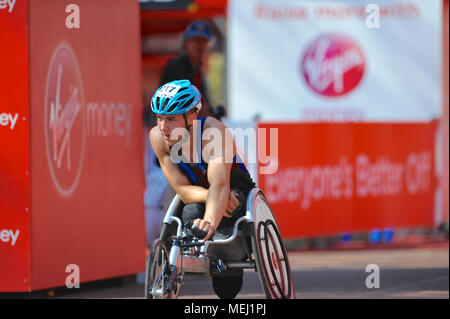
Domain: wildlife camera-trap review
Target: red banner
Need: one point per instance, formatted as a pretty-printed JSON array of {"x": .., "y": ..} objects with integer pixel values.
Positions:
[
  {"x": 87, "y": 164},
  {"x": 334, "y": 178},
  {"x": 76, "y": 167},
  {"x": 445, "y": 114},
  {"x": 14, "y": 149}
]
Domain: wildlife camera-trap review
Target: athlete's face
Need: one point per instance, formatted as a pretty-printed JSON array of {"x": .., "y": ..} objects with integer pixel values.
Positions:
[{"x": 168, "y": 123}]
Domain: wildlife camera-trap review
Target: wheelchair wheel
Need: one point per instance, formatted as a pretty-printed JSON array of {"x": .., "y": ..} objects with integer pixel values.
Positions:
[
  {"x": 157, "y": 272},
  {"x": 270, "y": 254}
]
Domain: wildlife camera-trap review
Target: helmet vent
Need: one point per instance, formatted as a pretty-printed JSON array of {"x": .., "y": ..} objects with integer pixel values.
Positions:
[
  {"x": 188, "y": 103},
  {"x": 183, "y": 97},
  {"x": 173, "y": 107},
  {"x": 164, "y": 104}
]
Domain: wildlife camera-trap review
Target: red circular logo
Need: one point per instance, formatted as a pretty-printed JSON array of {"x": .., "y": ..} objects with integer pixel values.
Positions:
[
  {"x": 333, "y": 65},
  {"x": 64, "y": 120}
]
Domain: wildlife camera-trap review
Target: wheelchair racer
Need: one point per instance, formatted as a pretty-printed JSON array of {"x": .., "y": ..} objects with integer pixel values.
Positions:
[{"x": 208, "y": 183}]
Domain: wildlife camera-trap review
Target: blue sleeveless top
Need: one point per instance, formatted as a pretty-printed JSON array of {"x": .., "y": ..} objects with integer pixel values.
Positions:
[{"x": 197, "y": 172}]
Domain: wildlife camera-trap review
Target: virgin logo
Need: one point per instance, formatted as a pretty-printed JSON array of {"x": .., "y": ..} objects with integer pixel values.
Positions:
[
  {"x": 333, "y": 65},
  {"x": 64, "y": 120}
]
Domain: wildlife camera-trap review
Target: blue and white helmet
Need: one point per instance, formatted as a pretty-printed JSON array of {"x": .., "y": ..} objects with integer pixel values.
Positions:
[{"x": 176, "y": 97}]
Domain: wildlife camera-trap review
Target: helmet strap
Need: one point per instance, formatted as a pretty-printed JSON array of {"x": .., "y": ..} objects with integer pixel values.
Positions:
[
  {"x": 186, "y": 122},
  {"x": 188, "y": 127}
]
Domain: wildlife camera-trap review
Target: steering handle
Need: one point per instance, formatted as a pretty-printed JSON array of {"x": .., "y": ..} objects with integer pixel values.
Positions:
[{"x": 197, "y": 232}]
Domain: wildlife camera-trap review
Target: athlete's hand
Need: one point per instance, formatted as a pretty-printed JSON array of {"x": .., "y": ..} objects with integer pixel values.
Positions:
[
  {"x": 205, "y": 226},
  {"x": 232, "y": 203}
]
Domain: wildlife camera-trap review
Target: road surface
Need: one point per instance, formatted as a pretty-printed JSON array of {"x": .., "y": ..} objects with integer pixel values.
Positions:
[{"x": 404, "y": 273}]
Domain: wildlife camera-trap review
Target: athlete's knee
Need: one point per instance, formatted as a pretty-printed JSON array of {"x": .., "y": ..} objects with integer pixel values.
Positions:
[{"x": 192, "y": 211}]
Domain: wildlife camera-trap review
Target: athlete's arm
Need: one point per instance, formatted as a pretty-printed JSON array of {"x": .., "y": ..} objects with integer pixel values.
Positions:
[
  {"x": 219, "y": 167},
  {"x": 218, "y": 193},
  {"x": 188, "y": 193}
]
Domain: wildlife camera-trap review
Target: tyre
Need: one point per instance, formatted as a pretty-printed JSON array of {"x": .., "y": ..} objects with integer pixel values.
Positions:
[
  {"x": 270, "y": 254},
  {"x": 227, "y": 287},
  {"x": 157, "y": 272}
]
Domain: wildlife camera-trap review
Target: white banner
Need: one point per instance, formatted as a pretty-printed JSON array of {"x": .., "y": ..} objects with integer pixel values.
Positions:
[{"x": 294, "y": 60}]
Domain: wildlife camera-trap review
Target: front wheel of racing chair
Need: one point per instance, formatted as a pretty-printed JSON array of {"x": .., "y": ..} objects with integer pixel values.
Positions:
[{"x": 157, "y": 271}]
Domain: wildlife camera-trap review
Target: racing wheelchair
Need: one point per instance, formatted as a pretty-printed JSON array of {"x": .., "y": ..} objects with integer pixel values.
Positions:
[{"x": 177, "y": 253}]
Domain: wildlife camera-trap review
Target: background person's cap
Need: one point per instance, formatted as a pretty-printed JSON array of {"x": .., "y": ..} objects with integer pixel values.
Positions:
[{"x": 198, "y": 28}]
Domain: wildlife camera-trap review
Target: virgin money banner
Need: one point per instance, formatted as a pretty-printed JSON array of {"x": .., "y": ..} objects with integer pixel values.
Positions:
[
  {"x": 299, "y": 60},
  {"x": 332, "y": 178},
  {"x": 87, "y": 165},
  {"x": 71, "y": 173},
  {"x": 14, "y": 148}
]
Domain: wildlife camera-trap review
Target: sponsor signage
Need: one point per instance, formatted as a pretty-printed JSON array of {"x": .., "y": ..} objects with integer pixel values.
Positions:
[
  {"x": 319, "y": 61},
  {"x": 344, "y": 179},
  {"x": 14, "y": 147},
  {"x": 84, "y": 183}
]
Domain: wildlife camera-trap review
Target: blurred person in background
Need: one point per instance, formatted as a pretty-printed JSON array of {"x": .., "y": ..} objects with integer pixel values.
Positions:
[{"x": 197, "y": 40}]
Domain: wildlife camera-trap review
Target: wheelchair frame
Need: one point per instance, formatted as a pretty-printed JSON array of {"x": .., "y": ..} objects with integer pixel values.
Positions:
[{"x": 188, "y": 255}]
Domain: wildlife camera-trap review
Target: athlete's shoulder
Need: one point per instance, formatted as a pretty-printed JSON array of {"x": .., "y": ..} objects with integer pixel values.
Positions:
[
  {"x": 213, "y": 122},
  {"x": 157, "y": 140},
  {"x": 154, "y": 132}
]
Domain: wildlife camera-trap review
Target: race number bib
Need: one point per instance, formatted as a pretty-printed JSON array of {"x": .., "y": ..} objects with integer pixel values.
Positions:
[{"x": 168, "y": 90}]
